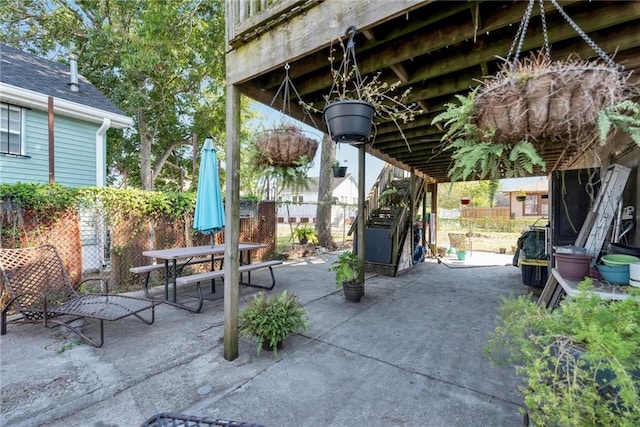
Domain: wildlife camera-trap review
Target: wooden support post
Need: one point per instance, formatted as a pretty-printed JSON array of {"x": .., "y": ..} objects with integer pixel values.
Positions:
[
  {"x": 361, "y": 218},
  {"x": 232, "y": 225},
  {"x": 52, "y": 151},
  {"x": 433, "y": 220}
]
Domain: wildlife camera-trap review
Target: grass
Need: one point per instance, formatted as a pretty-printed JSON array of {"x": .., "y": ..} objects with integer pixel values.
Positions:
[{"x": 488, "y": 235}]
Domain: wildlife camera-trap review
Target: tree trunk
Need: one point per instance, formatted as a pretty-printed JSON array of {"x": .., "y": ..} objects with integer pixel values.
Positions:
[
  {"x": 146, "y": 174},
  {"x": 325, "y": 196}
]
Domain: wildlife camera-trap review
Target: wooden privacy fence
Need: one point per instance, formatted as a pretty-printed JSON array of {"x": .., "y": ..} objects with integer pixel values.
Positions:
[{"x": 473, "y": 212}]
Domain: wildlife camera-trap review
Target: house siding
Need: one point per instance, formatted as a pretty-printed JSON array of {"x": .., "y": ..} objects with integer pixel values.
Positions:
[{"x": 75, "y": 153}]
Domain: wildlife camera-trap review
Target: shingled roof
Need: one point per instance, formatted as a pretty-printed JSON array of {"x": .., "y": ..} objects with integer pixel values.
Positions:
[{"x": 30, "y": 72}]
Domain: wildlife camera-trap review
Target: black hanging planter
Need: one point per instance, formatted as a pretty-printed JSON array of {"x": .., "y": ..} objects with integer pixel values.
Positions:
[
  {"x": 349, "y": 121},
  {"x": 339, "y": 171}
]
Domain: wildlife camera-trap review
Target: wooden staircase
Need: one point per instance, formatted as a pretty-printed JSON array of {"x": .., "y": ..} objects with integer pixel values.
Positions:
[{"x": 389, "y": 225}]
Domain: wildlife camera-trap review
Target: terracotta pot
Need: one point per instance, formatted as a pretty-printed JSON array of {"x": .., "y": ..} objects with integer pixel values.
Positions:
[{"x": 573, "y": 266}]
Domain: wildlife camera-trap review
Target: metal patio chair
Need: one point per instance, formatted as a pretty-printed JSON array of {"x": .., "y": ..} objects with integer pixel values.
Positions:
[{"x": 40, "y": 290}]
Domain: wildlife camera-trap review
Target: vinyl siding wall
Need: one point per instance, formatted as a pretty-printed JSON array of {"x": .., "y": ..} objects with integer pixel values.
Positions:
[{"x": 75, "y": 153}]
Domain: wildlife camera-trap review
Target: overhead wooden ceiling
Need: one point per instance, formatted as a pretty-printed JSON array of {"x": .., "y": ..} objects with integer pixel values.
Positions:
[{"x": 443, "y": 48}]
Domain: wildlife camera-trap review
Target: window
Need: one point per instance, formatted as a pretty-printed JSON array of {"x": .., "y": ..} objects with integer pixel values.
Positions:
[
  {"x": 11, "y": 130},
  {"x": 300, "y": 200},
  {"x": 535, "y": 205}
]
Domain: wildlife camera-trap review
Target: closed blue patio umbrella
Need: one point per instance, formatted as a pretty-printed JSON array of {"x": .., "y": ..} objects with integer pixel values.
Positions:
[{"x": 209, "y": 215}]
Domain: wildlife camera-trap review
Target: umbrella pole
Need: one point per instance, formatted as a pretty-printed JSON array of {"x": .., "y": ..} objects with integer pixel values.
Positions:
[{"x": 211, "y": 239}]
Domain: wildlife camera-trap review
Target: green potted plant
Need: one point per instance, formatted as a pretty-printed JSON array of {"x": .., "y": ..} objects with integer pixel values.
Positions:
[
  {"x": 347, "y": 268},
  {"x": 271, "y": 319},
  {"x": 461, "y": 249},
  {"x": 338, "y": 171},
  {"x": 353, "y": 101},
  {"x": 305, "y": 233},
  {"x": 578, "y": 363}
]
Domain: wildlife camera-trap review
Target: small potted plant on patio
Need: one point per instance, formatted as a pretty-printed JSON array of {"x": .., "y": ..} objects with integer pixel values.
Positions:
[
  {"x": 305, "y": 233},
  {"x": 461, "y": 249},
  {"x": 354, "y": 101},
  {"x": 271, "y": 319},
  {"x": 347, "y": 267},
  {"x": 578, "y": 363}
]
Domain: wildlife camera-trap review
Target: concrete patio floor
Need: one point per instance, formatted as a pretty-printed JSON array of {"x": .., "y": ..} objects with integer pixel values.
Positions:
[{"x": 410, "y": 353}]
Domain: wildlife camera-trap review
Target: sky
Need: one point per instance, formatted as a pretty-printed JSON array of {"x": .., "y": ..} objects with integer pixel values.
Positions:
[{"x": 347, "y": 154}]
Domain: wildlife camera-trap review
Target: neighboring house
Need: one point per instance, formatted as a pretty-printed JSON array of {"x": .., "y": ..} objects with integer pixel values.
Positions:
[
  {"x": 301, "y": 206},
  {"x": 34, "y": 91},
  {"x": 536, "y": 202},
  {"x": 45, "y": 104}
]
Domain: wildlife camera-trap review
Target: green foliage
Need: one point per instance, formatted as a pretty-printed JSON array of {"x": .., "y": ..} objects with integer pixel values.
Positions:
[
  {"x": 139, "y": 203},
  {"x": 347, "y": 268},
  {"x": 393, "y": 197},
  {"x": 625, "y": 116},
  {"x": 450, "y": 194},
  {"x": 307, "y": 232},
  {"x": 53, "y": 200},
  {"x": 580, "y": 362},
  {"x": 68, "y": 346},
  {"x": 270, "y": 320},
  {"x": 160, "y": 62},
  {"x": 458, "y": 118},
  {"x": 45, "y": 200},
  {"x": 475, "y": 156},
  {"x": 475, "y": 159}
]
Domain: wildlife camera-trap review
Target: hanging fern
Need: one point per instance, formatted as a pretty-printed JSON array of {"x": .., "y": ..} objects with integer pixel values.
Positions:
[
  {"x": 458, "y": 118},
  {"x": 475, "y": 155},
  {"x": 523, "y": 159},
  {"x": 486, "y": 160},
  {"x": 625, "y": 116}
]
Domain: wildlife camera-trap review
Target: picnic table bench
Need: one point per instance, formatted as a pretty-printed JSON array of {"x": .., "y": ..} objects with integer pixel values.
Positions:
[
  {"x": 174, "y": 264},
  {"x": 246, "y": 268},
  {"x": 148, "y": 269}
]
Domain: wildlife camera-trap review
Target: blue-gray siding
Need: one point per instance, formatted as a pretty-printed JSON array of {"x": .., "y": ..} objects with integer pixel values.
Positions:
[{"x": 75, "y": 153}]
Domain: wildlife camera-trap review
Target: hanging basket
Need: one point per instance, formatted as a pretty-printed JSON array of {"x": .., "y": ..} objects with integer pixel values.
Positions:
[
  {"x": 339, "y": 171},
  {"x": 349, "y": 121},
  {"x": 285, "y": 147},
  {"x": 539, "y": 101}
]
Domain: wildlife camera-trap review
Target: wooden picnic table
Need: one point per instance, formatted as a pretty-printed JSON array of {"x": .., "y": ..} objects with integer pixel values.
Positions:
[{"x": 170, "y": 257}]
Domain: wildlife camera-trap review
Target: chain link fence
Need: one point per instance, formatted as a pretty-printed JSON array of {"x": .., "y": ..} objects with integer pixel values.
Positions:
[
  {"x": 95, "y": 244},
  {"x": 291, "y": 215}
]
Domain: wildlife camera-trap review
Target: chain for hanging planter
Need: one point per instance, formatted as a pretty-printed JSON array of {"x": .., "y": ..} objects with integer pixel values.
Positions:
[
  {"x": 347, "y": 115},
  {"x": 536, "y": 101},
  {"x": 541, "y": 100},
  {"x": 286, "y": 146}
]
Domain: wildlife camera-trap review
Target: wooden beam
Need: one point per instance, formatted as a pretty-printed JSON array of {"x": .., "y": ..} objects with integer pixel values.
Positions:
[
  {"x": 307, "y": 33},
  {"x": 232, "y": 225}
]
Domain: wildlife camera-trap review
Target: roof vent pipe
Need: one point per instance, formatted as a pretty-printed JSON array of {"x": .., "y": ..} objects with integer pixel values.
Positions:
[{"x": 73, "y": 65}]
